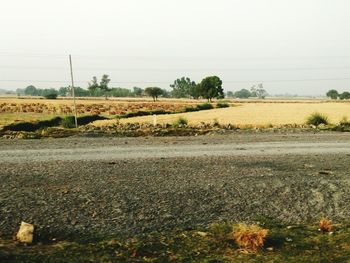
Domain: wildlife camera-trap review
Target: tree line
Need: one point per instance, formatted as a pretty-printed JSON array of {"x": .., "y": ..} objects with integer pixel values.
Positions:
[
  {"x": 209, "y": 88},
  {"x": 334, "y": 95}
]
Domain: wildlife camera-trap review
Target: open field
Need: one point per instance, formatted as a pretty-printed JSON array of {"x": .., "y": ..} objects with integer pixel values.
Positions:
[
  {"x": 30, "y": 109},
  {"x": 241, "y": 113},
  {"x": 254, "y": 114}
]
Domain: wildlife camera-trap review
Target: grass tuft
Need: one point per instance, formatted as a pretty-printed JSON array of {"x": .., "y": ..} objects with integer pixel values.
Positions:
[
  {"x": 181, "y": 121},
  {"x": 317, "y": 119},
  {"x": 205, "y": 106},
  {"x": 249, "y": 237},
  {"x": 326, "y": 225}
]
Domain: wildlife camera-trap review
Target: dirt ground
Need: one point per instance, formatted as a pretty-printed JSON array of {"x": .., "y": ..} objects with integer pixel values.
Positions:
[{"x": 67, "y": 199}]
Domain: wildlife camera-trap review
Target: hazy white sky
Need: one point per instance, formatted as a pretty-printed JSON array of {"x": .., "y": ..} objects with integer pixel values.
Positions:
[{"x": 152, "y": 42}]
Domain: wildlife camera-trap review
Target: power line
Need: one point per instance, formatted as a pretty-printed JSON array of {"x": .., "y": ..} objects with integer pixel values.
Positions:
[
  {"x": 164, "y": 82},
  {"x": 143, "y": 57},
  {"x": 181, "y": 69}
]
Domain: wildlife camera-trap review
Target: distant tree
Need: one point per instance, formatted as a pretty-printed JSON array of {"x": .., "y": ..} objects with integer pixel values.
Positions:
[
  {"x": 195, "y": 91},
  {"x": 230, "y": 94},
  {"x": 51, "y": 96},
  {"x": 154, "y": 92},
  {"x": 137, "y": 91},
  {"x": 345, "y": 95},
  {"x": 93, "y": 85},
  {"x": 333, "y": 94},
  {"x": 182, "y": 88},
  {"x": 80, "y": 92},
  {"x": 19, "y": 92},
  {"x": 166, "y": 93},
  {"x": 31, "y": 91},
  {"x": 258, "y": 91},
  {"x": 120, "y": 92},
  {"x": 98, "y": 89},
  {"x": 104, "y": 83},
  {"x": 211, "y": 87},
  {"x": 48, "y": 92},
  {"x": 242, "y": 94},
  {"x": 64, "y": 91}
]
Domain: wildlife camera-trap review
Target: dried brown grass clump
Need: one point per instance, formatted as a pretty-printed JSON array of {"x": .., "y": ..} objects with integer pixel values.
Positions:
[
  {"x": 249, "y": 237},
  {"x": 326, "y": 225}
]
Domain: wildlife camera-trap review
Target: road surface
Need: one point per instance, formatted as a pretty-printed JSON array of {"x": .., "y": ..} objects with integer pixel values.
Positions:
[{"x": 76, "y": 187}]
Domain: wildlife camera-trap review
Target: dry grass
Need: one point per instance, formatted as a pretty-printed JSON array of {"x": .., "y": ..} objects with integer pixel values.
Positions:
[
  {"x": 246, "y": 113},
  {"x": 88, "y": 106},
  {"x": 326, "y": 225},
  {"x": 256, "y": 114},
  {"x": 249, "y": 237}
]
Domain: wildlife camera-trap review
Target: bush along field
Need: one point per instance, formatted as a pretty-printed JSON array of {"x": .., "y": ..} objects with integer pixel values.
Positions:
[{"x": 266, "y": 241}]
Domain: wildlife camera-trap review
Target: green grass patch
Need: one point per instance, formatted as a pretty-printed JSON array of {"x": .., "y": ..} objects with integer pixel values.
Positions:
[
  {"x": 205, "y": 106},
  {"x": 9, "y": 118},
  {"x": 32, "y": 126},
  {"x": 181, "y": 121},
  {"x": 220, "y": 105},
  {"x": 317, "y": 119},
  {"x": 143, "y": 113},
  {"x": 66, "y": 122},
  {"x": 297, "y": 243}
]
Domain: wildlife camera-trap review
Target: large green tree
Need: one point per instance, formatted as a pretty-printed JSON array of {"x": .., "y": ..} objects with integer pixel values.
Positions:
[
  {"x": 333, "y": 94},
  {"x": 211, "y": 87},
  {"x": 154, "y": 92},
  {"x": 99, "y": 88},
  {"x": 345, "y": 95},
  {"x": 183, "y": 88},
  {"x": 31, "y": 90}
]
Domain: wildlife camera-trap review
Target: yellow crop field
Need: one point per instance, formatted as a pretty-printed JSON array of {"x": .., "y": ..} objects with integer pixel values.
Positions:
[
  {"x": 33, "y": 109},
  {"x": 88, "y": 106},
  {"x": 254, "y": 114}
]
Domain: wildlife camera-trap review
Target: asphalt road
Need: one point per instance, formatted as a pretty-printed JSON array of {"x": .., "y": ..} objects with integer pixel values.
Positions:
[
  {"x": 167, "y": 151},
  {"x": 76, "y": 187}
]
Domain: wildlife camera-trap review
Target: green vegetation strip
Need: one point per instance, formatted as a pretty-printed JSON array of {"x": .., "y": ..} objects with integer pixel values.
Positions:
[
  {"x": 301, "y": 243},
  {"x": 67, "y": 122}
]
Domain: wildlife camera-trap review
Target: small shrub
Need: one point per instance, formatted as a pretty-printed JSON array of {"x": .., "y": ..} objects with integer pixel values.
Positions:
[
  {"x": 343, "y": 126},
  {"x": 222, "y": 105},
  {"x": 159, "y": 112},
  {"x": 135, "y": 114},
  {"x": 344, "y": 122},
  {"x": 249, "y": 237},
  {"x": 143, "y": 113},
  {"x": 220, "y": 231},
  {"x": 216, "y": 123},
  {"x": 51, "y": 96},
  {"x": 205, "y": 106},
  {"x": 317, "y": 119},
  {"x": 68, "y": 122},
  {"x": 190, "y": 109},
  {"x": 181, "y": 121},
  {"x": 326, "y": 225}
]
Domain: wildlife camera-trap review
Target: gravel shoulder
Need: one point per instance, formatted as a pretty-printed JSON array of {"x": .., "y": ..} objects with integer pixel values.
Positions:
[{"x": 125, "y": 195}]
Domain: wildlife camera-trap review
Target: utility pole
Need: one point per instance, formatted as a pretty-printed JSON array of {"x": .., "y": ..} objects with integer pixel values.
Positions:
[{"x": 73, "y": 92}]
